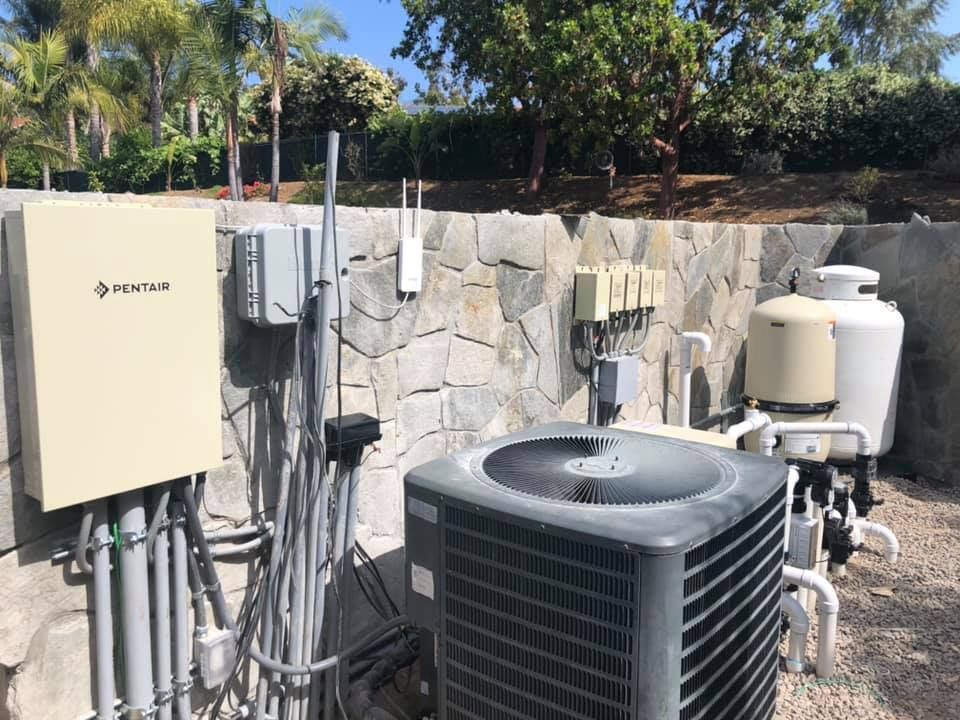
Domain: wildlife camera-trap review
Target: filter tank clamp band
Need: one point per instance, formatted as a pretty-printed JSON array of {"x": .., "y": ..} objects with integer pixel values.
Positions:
[{"x": 132, "y": 539}]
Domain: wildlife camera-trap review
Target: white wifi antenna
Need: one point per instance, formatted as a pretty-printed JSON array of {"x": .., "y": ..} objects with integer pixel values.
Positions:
[{"x": 410, "y": 254}]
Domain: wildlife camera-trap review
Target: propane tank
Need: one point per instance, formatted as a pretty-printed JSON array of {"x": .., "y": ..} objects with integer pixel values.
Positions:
[
  {"x": 791, "y": 369},
  {"x": 869, "y": 342}
]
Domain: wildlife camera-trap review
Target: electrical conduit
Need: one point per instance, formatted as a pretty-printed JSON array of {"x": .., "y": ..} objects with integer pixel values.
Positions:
[
  {"x": 161, "y": 600},
  {"x": 134, "y": 585},
  {"x": 181, "y": 630},
  {"x": 102, "y": 610}
]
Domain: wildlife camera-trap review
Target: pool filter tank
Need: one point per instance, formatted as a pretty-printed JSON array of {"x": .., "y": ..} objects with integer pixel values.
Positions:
[
  {"x": 869, "y": 342},
  {"x": 791, "y": 370}
]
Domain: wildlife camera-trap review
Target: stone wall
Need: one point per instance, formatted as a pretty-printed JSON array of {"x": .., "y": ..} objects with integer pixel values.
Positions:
[{"x": 486, "y": 348}]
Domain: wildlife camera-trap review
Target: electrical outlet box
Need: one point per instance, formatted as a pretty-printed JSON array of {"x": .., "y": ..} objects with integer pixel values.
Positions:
[
  {"x": 659, "y": 288},
  {"x": 117, "y": 346},
  {"x": 619, "y": 380},
  {"x": 410, "y": 264},
  {"x": 646, "y": 287},
  {"x": 804, "y": 542},
  {"x": 216, "y": 654},
  {"x": 591, "y": 294},
  {"x": 278, "y": 267},
  {"x": 632, "y": 300},
  {"x": 618, "y": 289}
]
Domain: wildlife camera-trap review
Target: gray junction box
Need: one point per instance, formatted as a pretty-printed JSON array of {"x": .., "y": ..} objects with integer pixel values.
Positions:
[
  {"x": 278, "y": 267},
  {"x": 618, "y": 380}
]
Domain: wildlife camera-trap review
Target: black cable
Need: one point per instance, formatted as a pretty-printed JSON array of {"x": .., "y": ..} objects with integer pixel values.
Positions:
[
  {"x": 371, "y": 599},
  {"x": 372, "y": 567}
]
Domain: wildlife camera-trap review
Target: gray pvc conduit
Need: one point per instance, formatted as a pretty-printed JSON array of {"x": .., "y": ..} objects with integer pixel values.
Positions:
[
  {"x": 196, "y": 593},
  {"x": 159, "y": 514},
  {"x": 83, "y": 541},
  {"x": 181, "y": 630},
  {"x": 102, "y": 610},
  {"x": 161, "y": 609},
  {"x": 283, "y": 493},
  {"x": 213, "y": 587},
  {"x": 134, "y": 584},
  {"x": 335, "y": 608}
]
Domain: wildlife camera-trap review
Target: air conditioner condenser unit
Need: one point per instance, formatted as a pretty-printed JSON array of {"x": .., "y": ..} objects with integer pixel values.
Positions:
[{"x": 573, "y": 572}]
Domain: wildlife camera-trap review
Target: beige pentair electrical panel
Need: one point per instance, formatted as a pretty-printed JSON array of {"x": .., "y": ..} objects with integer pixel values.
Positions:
[{"x": 117, "y": 346}]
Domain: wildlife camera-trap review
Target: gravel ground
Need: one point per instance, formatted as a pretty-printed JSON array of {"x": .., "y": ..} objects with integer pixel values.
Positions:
[{"x": 898, "y": 657}]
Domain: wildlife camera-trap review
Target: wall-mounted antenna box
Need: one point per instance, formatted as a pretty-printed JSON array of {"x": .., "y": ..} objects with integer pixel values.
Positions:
[
  {"x": 278, "y": 268},
  {"x": 117, "y": 347}
]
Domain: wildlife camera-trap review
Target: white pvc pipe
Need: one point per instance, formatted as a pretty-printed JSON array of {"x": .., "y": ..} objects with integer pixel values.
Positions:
[
  {"x": 687, "y": 341},
  {"x": 828, "y": 607},
  {"x": 891, "y": 546},
  {"x": 768, "y": 436},
  {"x": 793, "y": 477},
  {"x": 799, "y": 627},
  {"x": 753, "y": 420}
]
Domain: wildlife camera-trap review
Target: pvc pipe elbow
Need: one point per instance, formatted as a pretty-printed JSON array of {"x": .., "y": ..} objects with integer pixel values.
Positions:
[
  {"x": 829, "y": 603},
  {"x": 891, "y": 545},
  {"x": 753, "y": 420},
  {"x": 701, "y": 340},
  {"x": 799, "y": 620}
]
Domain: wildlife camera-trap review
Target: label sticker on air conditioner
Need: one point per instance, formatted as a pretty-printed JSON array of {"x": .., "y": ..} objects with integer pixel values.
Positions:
[
  {"x": 423, "y": 510},
  {"x": 421, "y": 581},
  {"x": 802, "y": 444}
]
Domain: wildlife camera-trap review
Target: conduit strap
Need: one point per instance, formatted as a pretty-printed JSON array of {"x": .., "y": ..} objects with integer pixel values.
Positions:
[{"x": 134, "y": 538}]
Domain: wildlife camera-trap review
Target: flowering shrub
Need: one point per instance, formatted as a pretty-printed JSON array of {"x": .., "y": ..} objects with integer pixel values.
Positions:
[{"x": 254, "y": 189}]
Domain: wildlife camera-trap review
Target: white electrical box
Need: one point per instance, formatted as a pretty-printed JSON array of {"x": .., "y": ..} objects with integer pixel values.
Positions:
[
  {"x": 591, "y": 294},
  {"x": 659, "y": 288},
  {"x": 117, "y": 346},
  {"x": 618, "y": 289},
  {"x": 804, "y": 542},
  {"x": 633, "y": 288},
  {"x": 646, "y": 287},
  {"x": 280, "y": 266}
]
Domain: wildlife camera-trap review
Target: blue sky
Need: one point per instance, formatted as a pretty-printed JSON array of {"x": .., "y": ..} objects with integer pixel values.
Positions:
[{"x": 375, "y": 28}]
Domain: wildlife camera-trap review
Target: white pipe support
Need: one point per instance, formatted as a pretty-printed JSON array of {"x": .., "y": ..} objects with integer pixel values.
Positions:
[
  {"x": 799, "y": 628},
  {"x": 828, "y": 606},
  {"x": 753, "y": 420},
  {"x": 891, "y": 546},
  {"x": 768, "y": 436},
  {"x": 687, "y": 342}
]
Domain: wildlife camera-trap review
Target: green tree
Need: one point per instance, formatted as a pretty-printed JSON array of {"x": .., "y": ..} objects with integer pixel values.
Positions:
[
  {"x": 713, "y": 50},
  {"x": 299, "y": 35},
  {"x": 154, "y": 28},
  {"x": 416, "y": 136},
  {"x": 554, "y": 61},
  {"x": 18, "y": 131},
  {"x": 47, "y": 85},
  {"x": 29, "y": 18},
  {"x": 221, "y": 48},
  {"x": 442, "y": 89},
  {"x": 331, "y": 92},
  {"x": 901, "y": 34}
]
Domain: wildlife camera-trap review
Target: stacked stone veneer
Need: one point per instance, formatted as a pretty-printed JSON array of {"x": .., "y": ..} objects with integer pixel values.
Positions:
[{"x": 486, "y": 348}]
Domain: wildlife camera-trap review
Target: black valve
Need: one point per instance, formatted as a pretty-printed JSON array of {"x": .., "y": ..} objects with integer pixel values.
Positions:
[
  {"x": 818, "y": 476},
  {"x": 794, "y": 280},
  {"x": 864, "y": 474},
  {"x": 838, "y": 539}
]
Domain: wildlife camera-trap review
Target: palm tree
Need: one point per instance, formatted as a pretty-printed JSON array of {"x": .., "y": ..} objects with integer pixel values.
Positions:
[
  {"x": 45, "y": 83},
  {"x": 17, "y": 130},
  {"x": 153, "y": 28},
  {"x": 220, "y": 48},
  {"x": 299, "y": 35}
]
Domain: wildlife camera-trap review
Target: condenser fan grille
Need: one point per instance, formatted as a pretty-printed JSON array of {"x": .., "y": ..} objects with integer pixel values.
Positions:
[{"x": 601, "y": 470}]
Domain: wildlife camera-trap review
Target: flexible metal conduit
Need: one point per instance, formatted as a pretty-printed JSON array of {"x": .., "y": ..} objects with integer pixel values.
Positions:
[
  {"x": 828, "y": 606},
  {"x": 687, "y": 342},
  {"x": 768, "y": 436},
  {"x": 799, "y": 627}
]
